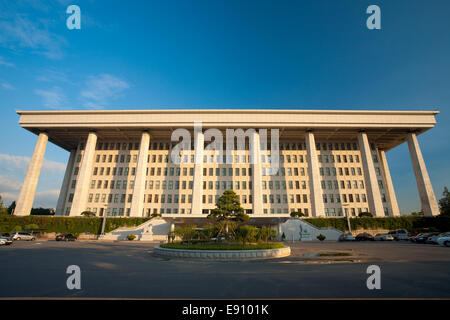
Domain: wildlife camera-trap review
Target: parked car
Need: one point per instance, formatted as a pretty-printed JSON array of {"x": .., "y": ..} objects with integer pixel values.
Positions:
[
  {"x": 4, "y": 235},
  {"x": 22, "y": 236},
  {"x": 346, "y": 237},
  {"x": 399, "y": 235},
  {"x": 364, "y": 237},
  {"x": 65, "y": 237},
  {"x": 422, "y": 237},
  {"x": 383, "y": 237},
  {"x": 444, "y": 240},
  {"x": 432, "y": 239},
  {"x": 5, "y": 241}
]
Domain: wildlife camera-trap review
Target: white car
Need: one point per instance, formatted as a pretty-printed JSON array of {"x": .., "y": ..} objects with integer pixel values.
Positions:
[
  {"x": 444, "y": 240},
  {"x": 347, "y": 237},
  {"x": 383, "y": 237},
  {"x": 5, "y": 241},
  {"x": 22, "y": 236}
]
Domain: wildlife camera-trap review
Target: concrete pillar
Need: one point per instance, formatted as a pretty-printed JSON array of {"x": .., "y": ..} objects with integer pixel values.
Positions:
[
  {"x": 257, "y": 198},
  {"x": 197, "y": 189},
  {"x": 84, "y": 175},
  {"x": 26, "y": 196},
  {"x": 316, "y": 197},
  {"x": 137, "y": 203},
  {"x": 370, "y": 177},
  {"x": 65, "y": 185},
  {"x": 427, "y": 198},
  {"x": 389, "y": 185}
]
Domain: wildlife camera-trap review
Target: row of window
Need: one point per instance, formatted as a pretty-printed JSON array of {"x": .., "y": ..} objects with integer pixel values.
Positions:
[
  {"x": 349, "y": 184},
  {"x": 224, "y": 159}
]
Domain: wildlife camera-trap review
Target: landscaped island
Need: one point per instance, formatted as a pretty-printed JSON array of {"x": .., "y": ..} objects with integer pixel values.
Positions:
[{"x": 223, "y": 246}]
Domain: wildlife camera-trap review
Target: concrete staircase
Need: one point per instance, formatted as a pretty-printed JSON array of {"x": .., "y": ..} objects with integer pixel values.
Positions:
[
  {"x": 299, "y": 230},
  {"x": 152, "y": 230}
]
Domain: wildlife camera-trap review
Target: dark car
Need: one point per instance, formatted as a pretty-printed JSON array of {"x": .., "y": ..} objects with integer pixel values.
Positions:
[
  {"x": 421, "y": 237},
  {"x": 4, "y": 235},
  {"x": 65, "y": 237},
  {"x": 364, "y": 237}
]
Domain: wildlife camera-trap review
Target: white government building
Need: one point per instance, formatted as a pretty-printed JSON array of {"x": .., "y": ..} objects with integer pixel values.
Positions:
[{"x": 332, "y": 162}]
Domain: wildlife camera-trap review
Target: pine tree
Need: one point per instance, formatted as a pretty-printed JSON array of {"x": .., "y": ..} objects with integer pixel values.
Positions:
[
  {"x": 444, "y": 203},
  {"x": 228, "y": 210}
]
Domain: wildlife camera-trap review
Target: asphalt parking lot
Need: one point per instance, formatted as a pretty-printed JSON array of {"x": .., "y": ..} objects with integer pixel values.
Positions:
[{"x": 130, "y": 270}]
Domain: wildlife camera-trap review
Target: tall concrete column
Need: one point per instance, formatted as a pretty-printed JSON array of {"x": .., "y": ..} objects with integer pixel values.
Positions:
[
  {"x": 197, "y": 189},
  {"x": 314, "y": 176},
  {"x": 257, "y": 201},
  {"x": 372, "y": 189},
  {"x": 137, "y": 203},
  {"x": 84, "y": 175},
  {"x": 389, "y": 185},
  {"x": 65, "y": 185},
  {"x": 26, "y": 196},
  {"x": 427, "y": 198}
]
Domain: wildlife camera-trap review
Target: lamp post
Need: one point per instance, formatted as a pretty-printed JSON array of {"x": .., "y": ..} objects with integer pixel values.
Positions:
[
  {"x": 104, "y": 219},
  {"x": 345, "y": 205}
]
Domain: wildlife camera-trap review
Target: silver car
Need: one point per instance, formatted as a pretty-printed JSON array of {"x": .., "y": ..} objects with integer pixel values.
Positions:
[
  {"x": 384, "y": 237},
  {"x": 5, "y": 241},
  {"x": 22, "y": 236}
]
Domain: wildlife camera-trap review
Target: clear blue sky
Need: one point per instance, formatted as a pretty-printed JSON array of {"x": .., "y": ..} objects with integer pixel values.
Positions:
[{"x": 223, "y": 54}]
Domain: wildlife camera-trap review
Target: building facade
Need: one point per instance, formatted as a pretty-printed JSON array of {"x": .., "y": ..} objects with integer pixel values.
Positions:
[{"x": 331, "y": 163}]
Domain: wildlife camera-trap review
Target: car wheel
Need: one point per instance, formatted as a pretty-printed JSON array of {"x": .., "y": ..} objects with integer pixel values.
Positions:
[
  {"x": 447, "y": 243},
  {"x": 18, "y": 238},
  {"x": 32, "y": 239}
]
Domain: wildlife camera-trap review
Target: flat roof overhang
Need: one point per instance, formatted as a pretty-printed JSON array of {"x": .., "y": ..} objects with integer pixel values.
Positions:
[{"x": 387, "y": 129}]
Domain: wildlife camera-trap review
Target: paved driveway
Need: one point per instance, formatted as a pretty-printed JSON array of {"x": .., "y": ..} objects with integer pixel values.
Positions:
[{"x": 130, "y": 270}]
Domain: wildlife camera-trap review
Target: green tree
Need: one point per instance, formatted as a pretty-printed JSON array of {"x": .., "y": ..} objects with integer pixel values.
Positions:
[
  {"x": 12, "y": 207},
  {"x": 295, "y": 214},
  {"x": 246, "y": 233},
  {"x": 88, "y": 214},
  {"x": 228, "y": 210},
  {"x": 365, "y": 214},
  {"x": 42, "y": 212},
  {"x": 444, "y": 203},
  {"x": 155, "y": 215},
  {"x": 266, "y": 233},
  {"x": 186, "y": 232},
  {"x": 3, "y": 210}
]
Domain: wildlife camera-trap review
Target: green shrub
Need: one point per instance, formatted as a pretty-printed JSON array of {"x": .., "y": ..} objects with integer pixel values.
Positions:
[
  {"x": 266, "y": 233},
  {"x": 222, "y": 246},
  {"x": 31, "y": 226},
  {"x": 186, "y": 232},
  {"x": 16, "y": 228},
  {"x": 131, "y": 237},
  {"x": 246, "y": 233},
  {"x": 321, "y": 237}
]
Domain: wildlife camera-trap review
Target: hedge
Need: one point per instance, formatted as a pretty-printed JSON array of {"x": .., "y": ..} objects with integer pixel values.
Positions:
[
  {"x": 409, "y": 223},
  {"x": 79, "y": 225},
  {"x": 75, "y": 225}
]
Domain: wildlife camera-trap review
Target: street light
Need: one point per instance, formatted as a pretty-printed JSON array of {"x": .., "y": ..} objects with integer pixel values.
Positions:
[
  {"x": 348, "y": 220},
  {"x": 104, "y": 219}
]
